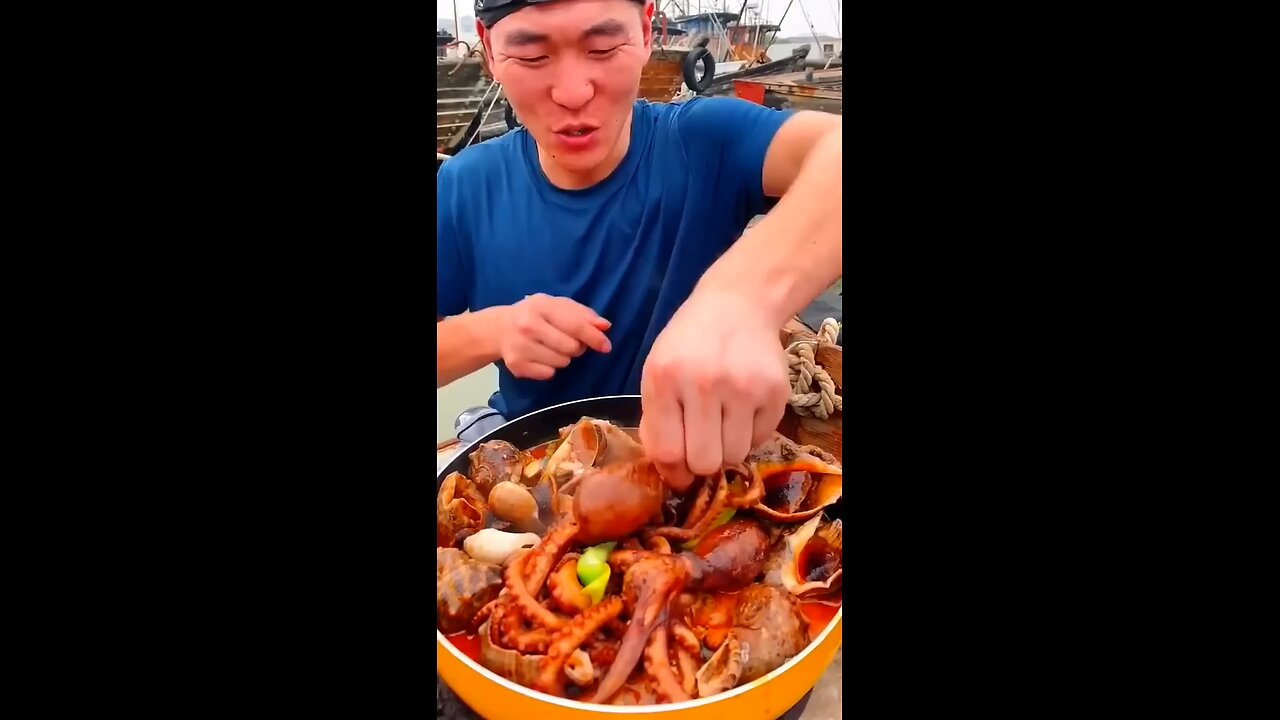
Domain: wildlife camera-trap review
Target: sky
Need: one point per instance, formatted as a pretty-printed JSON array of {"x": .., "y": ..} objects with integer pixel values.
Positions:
[{"x": 822, "y": 13}]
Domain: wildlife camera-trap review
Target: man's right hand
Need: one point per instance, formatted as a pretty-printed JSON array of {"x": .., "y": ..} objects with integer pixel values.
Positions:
[{"x": 543, "y": 333}]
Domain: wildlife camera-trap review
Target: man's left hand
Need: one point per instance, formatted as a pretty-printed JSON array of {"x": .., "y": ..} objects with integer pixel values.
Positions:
[{"x": 713, "y": 387}]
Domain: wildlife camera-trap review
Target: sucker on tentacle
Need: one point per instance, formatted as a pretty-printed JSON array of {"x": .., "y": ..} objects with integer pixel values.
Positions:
[
  {"x": 657, "y": 662},
  {"x": 507, "y": 630},
  {"x": 539, "y": 561},
  {"x": 483, "y": 614},
  {"x": 532, "y": 609},
  {"x": 569, "y": 638},
  {"x": 685, "y": 638},
  {"x": 688, "y": 671}
]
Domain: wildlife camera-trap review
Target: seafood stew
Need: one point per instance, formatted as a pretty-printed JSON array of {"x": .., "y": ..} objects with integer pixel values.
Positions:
[{"x": 570, "y": 568}]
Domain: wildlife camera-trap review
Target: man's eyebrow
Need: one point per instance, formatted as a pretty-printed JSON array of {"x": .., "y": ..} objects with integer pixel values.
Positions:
[
  {"x": 605, "y": 28},
  {"x": 524, "y": 38}
]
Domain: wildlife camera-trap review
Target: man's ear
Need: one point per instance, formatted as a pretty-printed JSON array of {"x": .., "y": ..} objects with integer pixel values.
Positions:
[
  {"x": 486, "y": 45},
  {"x": 648, "y": 24}
]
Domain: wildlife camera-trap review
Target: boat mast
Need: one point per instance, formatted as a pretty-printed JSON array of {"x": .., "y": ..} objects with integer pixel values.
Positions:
[{"x": 457, "y": 29}]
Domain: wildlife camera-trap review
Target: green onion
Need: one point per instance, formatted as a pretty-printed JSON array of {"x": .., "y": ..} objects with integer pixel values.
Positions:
[
  {"x": 595, "y": 589},
  {"x": 594, "y": 562}
]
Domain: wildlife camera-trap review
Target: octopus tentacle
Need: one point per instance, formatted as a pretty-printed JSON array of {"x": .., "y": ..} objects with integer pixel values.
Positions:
[
  {"x": 684, "y": 637},
  {"x": 533, "y": 610},
  {"x": 539, "y": 561},
  {"x": 623, "y": 560},
  {"x": 602, "y": 652},
  {"x": 506, "y": 630},
  {"x": 652, "y": 583},
  {"x": 755, "y": 487},
  {"x": 569, "y": 638},
  {"x": 483, "y": 614},
  {"x": 688, "y": 671},
  {"x": 658, "y": 544},
  {"x": 566, "y": 593},
  {"x": 701, "y": 527},
  {"x": 532, "y": 642},
  {"x": 688, "y": 647},
  {"x": 699, "y": 503},
  {"x": 504, "y": 622},
  {"x": 657, "y": 662}
]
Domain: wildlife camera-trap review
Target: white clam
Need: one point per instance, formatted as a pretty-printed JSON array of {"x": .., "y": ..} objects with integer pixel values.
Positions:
[{"x": 495, "y": 546}]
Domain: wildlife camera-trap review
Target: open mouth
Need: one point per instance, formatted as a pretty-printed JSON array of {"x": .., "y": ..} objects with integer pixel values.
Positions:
[{"x": 576, "y": 130}]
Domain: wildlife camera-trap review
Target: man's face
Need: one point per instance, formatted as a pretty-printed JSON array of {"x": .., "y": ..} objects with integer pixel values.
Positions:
[{"x": 571, "y": 71}]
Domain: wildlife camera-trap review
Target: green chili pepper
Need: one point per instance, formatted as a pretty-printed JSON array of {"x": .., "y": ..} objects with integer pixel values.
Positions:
[
  {"x": 593, "y": 563},
  {"x": 721, "y": 519},
  {"x": 595, "y": 589}
]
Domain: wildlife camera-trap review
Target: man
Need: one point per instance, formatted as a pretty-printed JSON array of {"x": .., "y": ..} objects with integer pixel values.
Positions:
[{"x": 597, "y": 248}]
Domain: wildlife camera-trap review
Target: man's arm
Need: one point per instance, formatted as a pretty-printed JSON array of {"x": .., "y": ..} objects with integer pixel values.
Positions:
[
  {"x": 793, "y": 254},
  {"x": 715, "y": 382},
  {"x": 465, "y": 343}
]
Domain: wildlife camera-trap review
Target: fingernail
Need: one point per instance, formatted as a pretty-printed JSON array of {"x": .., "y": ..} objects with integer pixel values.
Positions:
[{"x": 607, "y": 345}]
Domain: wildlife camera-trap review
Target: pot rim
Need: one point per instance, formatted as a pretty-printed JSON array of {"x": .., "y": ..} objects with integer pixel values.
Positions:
[{"x": 442, "y": 642}]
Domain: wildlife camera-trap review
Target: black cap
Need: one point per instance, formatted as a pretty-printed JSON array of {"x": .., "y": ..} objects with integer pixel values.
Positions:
[{"x": 489, "y": 12}]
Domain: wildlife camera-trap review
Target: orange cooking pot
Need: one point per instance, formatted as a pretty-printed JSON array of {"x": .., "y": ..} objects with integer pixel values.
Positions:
[{"x": 496, "y": 698}]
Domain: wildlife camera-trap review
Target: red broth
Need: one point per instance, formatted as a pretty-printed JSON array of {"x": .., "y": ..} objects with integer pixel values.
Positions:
[
  {"x": 468, "y": 645},
  {"x": 818, "y": 615}
]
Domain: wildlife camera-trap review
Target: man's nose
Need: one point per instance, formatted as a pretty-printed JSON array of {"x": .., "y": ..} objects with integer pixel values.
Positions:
[{"x": 573, "y": 91}]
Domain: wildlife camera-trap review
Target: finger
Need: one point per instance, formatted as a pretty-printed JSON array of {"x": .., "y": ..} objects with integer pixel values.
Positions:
[
  {"x": 580, "y": 323},
  {"x": 531, "y": 370},
  {"x": 703, "y": 429},
  {"x": 548, "y": 335},
  {"x": 738, "y": 430},
  {"x": 766, "y": 420},
  {"x": 662, "y": 430},
  {"x": 538, "y": 353}
]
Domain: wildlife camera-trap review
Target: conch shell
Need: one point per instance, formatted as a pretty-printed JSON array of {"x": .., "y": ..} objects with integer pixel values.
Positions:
[
  {"x": 459, "y": 507},
  {"x": 496, "y": 461},
  {"x": 525, "y": 669},
  {"x": 809, "y": 561},
  {"x": 799, "y": 481},
  {"x": 768, "y": 630},
  {"x": 463, "y": 586},
  {"x": 577, "y": 451}
]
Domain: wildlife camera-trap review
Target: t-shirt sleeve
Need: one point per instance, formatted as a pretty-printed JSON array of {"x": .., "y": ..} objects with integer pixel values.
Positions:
[
  {"x": 729, "y": 137},
  {"x": 451, "y": 267}
]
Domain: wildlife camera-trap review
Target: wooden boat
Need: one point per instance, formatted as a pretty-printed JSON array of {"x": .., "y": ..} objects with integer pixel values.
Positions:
[
  {"x": 810, "y": 89},
  {"x": 469, "y": 104}
]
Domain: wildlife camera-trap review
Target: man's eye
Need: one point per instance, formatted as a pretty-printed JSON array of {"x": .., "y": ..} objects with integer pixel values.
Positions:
[
  {"x": 532, "y": 60},
  {"x": 604, "y": 53}
]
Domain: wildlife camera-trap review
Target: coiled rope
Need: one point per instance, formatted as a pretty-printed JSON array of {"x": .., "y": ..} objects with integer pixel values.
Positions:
[{"x": 813, "y": 392}]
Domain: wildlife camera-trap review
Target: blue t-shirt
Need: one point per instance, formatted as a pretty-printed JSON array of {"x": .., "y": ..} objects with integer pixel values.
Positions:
[{"x": 631, "y": 247}]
